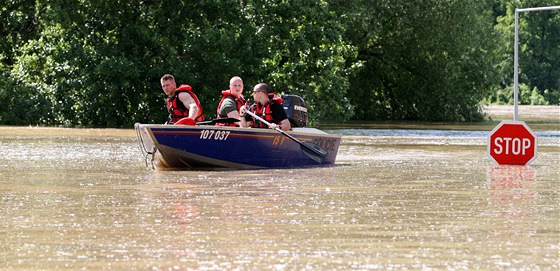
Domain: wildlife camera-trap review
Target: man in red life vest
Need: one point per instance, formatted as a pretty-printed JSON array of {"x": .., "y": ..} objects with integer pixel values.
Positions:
[
  {"x": 182, "y": 102},
  {"x": 267, "y": 106},
  {"x": 232, "y": 100}
]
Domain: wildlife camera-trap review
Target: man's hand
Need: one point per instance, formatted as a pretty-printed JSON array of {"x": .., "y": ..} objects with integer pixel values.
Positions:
[{"x": 243, "y": 111}]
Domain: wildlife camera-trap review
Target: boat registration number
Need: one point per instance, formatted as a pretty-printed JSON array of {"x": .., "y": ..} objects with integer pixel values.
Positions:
[{"x": 214, "y": 134}]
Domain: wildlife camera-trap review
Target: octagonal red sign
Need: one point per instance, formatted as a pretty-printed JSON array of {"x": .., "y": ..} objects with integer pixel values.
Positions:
[{"x": 512, "y": 143}]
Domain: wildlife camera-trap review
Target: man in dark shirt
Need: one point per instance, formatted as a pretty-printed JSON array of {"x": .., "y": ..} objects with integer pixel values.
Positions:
[{"x": 267, "y": 106}]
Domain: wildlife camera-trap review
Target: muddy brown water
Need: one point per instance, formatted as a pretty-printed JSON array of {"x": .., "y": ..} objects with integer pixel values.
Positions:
[{"x": 400, "y": 197}]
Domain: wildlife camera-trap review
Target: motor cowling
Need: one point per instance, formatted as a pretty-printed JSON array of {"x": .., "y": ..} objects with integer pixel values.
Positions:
[{"x": 296, "y": 109}]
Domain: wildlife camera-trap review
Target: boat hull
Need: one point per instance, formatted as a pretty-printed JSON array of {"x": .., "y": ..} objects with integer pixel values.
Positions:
[{"x": 223, "y": 147}]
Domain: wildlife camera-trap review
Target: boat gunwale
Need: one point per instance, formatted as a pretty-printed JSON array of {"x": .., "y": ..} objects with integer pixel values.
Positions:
[{"x": 241, "y": 129}]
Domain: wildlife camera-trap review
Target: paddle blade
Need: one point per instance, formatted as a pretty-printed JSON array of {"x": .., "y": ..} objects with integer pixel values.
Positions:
[
  {"x": 185, "y": 121},
  {"x": 314, "y": 151}
]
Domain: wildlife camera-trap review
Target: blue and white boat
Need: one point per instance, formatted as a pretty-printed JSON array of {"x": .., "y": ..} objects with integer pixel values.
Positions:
[
  {"x": 205, "y": 146},
  {"x": 224, "y": 147}
]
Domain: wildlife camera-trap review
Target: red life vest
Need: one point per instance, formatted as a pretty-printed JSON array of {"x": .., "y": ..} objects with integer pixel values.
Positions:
[
  {"x": 265, "y": 111},
  {"x": 177, "y": 110},
  {"x": 239, "y": 102}
]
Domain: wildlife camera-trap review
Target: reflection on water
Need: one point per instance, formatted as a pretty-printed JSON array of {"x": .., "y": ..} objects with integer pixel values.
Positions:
[
  {"x": 82, "y": 199},
  {"x": 512, "y": 189}
]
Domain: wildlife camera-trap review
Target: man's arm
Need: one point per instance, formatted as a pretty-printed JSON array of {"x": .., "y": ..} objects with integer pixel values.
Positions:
[
  {"x": 285, "y": 125},
  {"x": 278, "y": 113},
  {"x": 243, "y": 118},
  {"x": 229, "y": 108},
  {"x": 189, "y": 103}
]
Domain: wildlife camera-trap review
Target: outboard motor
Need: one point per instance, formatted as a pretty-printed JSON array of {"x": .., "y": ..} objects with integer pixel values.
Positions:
[{"x": 296, "y": 109}]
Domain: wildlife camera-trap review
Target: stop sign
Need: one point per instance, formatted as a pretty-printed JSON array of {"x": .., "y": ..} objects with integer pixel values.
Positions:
[{"x": 512, "y": 143}]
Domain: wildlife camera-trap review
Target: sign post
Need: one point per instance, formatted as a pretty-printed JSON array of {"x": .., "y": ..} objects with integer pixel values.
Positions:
[
  {"x": 512, "y": 143},
  {"x": 516, "y": 53}
]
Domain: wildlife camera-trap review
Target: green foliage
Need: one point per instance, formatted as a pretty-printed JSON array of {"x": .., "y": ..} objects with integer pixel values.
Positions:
[
  {"x": 526, "y": 96},
  {"x": 419, "y": 60},
  {"x": 98, "y": 63},
  {"x": 539, "y": 47},
  {"x": 304, "y": 54},
  {"x": 22, "y": 105},
  {"x": 552, "y": 96},
  {"x": 18, "y": 23}
]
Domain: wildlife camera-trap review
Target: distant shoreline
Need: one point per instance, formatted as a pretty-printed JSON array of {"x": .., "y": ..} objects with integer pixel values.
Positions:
[
  {"x": 538, "y": 117},
  {"x": 548, "y": 113}
]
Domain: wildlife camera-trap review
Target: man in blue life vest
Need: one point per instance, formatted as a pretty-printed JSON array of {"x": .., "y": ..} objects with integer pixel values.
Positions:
[
  {"x": 267, "y": 106},
  {"x": 181, "y": 102},
  {"x": 232, "y": 100}
]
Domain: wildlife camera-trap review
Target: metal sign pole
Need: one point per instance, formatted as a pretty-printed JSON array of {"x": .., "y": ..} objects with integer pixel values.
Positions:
[
  {"x": 515, "y": 67},
  {"x": 516, "y": 53}
]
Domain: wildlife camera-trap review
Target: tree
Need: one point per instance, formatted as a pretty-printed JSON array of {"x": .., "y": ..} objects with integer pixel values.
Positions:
[
  {"x": 99, "y": 62},
  {"x": 304, "y": 53},
  {"x": 541, "y": 53},
  {"x": 539, "y": 47},
  {"x": 21, "y": 104},
  {"x": 419, "y": 60}
]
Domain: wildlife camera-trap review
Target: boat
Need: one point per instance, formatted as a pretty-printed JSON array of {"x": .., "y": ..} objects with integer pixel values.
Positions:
[
  {"x": 205, "y": 146},
  {"x": 225, "y": 147}
]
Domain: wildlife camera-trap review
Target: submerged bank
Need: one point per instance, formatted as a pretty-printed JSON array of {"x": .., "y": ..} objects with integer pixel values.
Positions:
[{"x": 538, "y": 117}]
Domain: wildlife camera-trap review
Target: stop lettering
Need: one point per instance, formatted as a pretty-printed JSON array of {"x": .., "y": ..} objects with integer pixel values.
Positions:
[
  {"x": 516, "y": 146},
  {"x": 512, "y": 143}
]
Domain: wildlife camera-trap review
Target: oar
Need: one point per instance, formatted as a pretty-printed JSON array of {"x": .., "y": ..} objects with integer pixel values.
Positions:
[
  {"x": 311, "y": 149},
  {"x": 214, "y": 121}
]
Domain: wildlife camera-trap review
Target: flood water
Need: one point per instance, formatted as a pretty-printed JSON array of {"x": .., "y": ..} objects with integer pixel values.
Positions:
[{"x": 400, "y": 197}]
